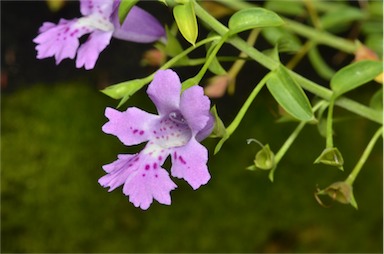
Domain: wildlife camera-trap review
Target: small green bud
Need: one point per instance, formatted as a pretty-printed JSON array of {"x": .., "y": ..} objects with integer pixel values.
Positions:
[
  {"x": 265, "y": 158},
  {"x": 186, "y": 21},
  {"x": 331, "y": 156},
  {"x": 340, "y": 192}
]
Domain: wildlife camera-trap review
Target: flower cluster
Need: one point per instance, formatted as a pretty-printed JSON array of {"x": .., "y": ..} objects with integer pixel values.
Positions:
[
  {"x": 101, "y": 21},
  {"x": 183, "y": 120}
]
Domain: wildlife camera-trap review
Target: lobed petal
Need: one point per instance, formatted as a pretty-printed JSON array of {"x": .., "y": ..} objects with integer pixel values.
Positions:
[
  {"x": 143, "y": 187},
  {"x": 118, "y": 171},
  {"x": 60, "y": 41},
  {"x": 89, "y": 52},
  {"x": 165, "y": 91},
  {"x": 150, "y": 181},
  {"x": 194, "y": 106},
  {"x": 132, "y": 126},
  {"x": 189, "y": 162},
  {"x": 139, "y": 26}
]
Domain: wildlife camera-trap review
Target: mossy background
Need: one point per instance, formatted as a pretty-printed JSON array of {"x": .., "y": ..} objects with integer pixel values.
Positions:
[{"x": 53, "y": 148}]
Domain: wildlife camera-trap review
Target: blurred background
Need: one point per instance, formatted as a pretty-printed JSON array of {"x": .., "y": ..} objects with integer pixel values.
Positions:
[{"x": 52, "y": 151}]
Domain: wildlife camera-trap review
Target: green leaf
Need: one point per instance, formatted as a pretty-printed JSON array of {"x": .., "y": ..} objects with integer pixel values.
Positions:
[
  {"x": 294, "y": 8},
  {"x": 355, "y": 75},
  {"x": 173, "y": 46},
  {"x": 289, "y": 94},
  {"x": 339, "y": 18},
  {"x": 375, "y": 42},
  {"x": 376, "y": 101},
  {"x": 284, "y": 39},
  {"x": 186, "y": 21},
  {"x": 124, "y": 8},
  {"x": 253, "y": 18},
  {"x": 124, "y": 89}
]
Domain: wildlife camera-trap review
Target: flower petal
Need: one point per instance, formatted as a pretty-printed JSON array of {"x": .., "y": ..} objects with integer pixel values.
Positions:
[
  {"x": 89, "y": 52},
  {"x": 59, "y": 40},
  {"x": 118, "y": 171},
  {"x": 207, "y": 130},
  {"x": 103, "y": 7},
  {"x": 164, "y": 91},
  {"x": 150, "y": 181},
  {"x": 190, "y": 163},
  {"x": 132, "y": 126},
  {"x": 139, "y": 26},
  {"x": 143, "y": 187},
  {"x": 194, "y": 106}
]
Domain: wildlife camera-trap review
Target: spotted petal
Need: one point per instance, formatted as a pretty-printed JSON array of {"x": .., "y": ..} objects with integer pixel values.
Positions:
[
  {"x": 59, "y": 40},
  {"x": 164, "y": 91},
  {"x": 149, "y": 182},
  {"x": 103, "y": 7},
  {"x": 190, "y": 163},
  {"x": 132, "y": 126}
]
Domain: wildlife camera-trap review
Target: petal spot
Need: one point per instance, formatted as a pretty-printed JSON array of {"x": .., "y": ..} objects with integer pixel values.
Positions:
[{"x": 181, "y": 159}]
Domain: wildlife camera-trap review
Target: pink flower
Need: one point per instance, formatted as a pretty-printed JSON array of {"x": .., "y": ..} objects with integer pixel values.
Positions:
[
  {"x": 182, "y": 121},
  {"x": 100, "y": 20}
]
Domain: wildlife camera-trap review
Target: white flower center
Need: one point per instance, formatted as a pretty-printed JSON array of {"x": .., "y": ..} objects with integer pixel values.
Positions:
[
  {"x": 172, "y": 131},
  {"x": 95, "y": 21}
]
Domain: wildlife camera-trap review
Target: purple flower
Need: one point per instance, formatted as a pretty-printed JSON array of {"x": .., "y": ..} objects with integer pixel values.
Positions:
[
  {"x": 182, "y": 121},
  {"x": 100, "y": 20}
]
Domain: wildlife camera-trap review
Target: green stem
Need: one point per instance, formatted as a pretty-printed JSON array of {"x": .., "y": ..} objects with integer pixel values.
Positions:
[
  {"x": 271, "y": 64},
  {"x": 235, "y": 123},
  {"x": 287, "y": 144},
  {"x": 175, "y": 59},
  {"x": 238, "y": 65},
  {"x": 212, "y": 54},
  {"x": 201, "y": 61},
  {"x": 352, "y": 176},
  {"x": 311, "y": 33},
  {"x": 329, "y": 140},
  {"x": 321, "y": 37},
  {"x": 284, "y": 148}
]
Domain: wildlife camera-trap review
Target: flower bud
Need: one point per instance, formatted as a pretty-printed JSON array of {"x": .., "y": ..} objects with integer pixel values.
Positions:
[
  {"x": 153, "y": 57},
  {"x": 331, "y": 156},
  {"x": 264, "y": 159},
  {"x": 217, "y": 86},
  {"x": 339, "y": 191},
  {"x": 186, "y": 21}
]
